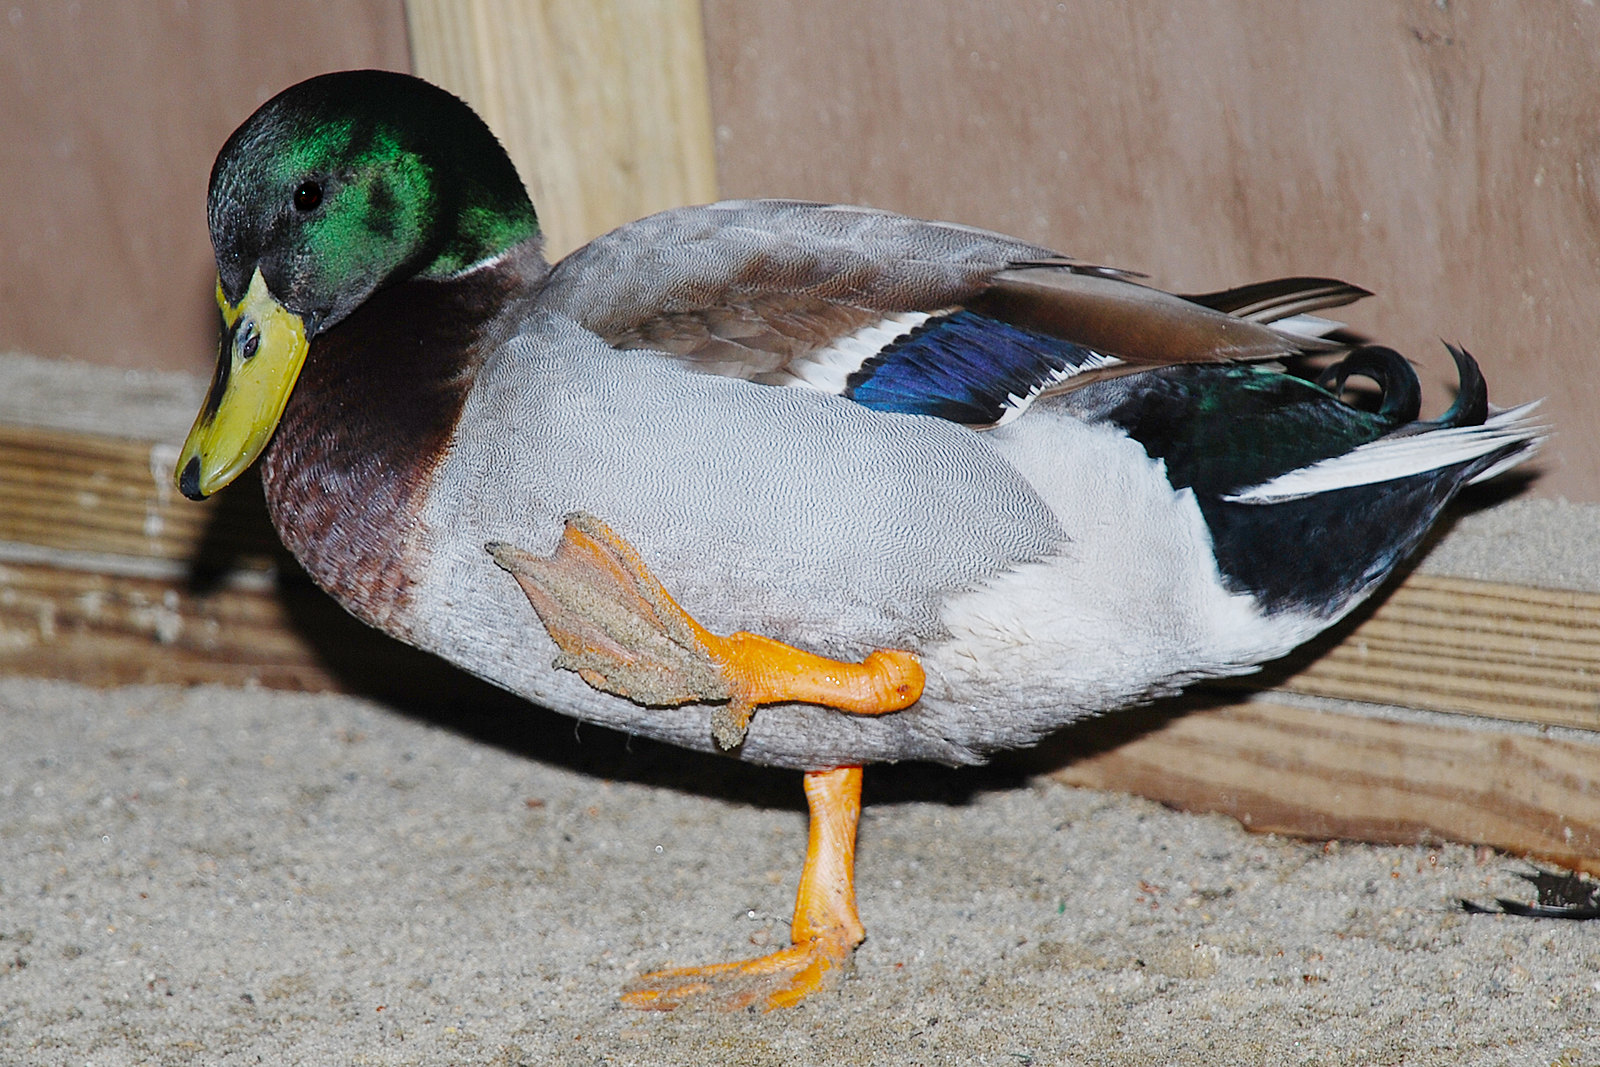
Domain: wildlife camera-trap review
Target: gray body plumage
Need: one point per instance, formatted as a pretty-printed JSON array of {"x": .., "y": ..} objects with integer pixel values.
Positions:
[
  {"x": 821, "y": 523},
  {"x": 1042, "y": 570}
]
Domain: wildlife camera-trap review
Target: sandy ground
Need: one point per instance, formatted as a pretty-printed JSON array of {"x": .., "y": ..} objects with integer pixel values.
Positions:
[{"x": 222, "y": 876}]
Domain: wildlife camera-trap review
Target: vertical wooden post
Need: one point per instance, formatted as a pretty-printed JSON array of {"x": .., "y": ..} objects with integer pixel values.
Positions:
[{"x": 603, "y": 104}]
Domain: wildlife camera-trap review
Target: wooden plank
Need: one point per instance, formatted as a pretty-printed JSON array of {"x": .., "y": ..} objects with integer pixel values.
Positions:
[
  {"x": 1275, "y": 768},
  {"x": 1327, "y": 775},
  {"x": 1500, "y": 651},
  {"x": 105, "y": 630},
  {"x": 102, "y": 629},
  {"x": 1436, "y": 643},
  {"x": 603, "y": 104},
  {"x": 78, "y": 492},
  {"x": 1479, "y": 648}
]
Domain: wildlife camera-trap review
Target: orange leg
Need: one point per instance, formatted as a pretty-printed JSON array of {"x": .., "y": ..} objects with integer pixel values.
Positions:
[
  {"x": 824, "y": 932},
  {"x": 620, "y": 630}
]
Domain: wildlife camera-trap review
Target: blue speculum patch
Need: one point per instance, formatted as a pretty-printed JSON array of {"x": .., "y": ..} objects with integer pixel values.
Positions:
[{"x": 963, "y": 367}]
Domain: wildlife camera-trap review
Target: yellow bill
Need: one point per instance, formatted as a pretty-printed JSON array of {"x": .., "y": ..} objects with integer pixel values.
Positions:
[{"x": 260, "y": 359}]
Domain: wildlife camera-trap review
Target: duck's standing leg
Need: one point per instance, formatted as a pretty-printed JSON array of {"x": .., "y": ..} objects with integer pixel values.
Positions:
[
  {"x": 825, "y": 929},
  {"x": 617, "y": 627}
]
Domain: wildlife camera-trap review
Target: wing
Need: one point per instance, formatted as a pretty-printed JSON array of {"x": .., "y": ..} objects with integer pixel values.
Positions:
[{"x": 906, "y": 315}]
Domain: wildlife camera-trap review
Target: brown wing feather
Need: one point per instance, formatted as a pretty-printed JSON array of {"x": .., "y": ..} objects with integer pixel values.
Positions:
[
  {"x": 746, "y": 289},
  {"x": 1135, "y": 323},
  {"x": 749, "y": 336},
  {"x": 742, "y": 288}
]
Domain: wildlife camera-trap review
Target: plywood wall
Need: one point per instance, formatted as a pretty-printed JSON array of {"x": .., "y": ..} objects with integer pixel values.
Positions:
[
  {"x": 1445, "y": 154},
  {"x": 110, "y": 115},
  {"x": 602, "y": 104}
]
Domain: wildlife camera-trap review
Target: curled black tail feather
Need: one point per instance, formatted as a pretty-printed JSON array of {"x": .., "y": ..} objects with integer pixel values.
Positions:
[
  {"x": 1402, "y": 393},
  {"x": 1472, "y": 395}
]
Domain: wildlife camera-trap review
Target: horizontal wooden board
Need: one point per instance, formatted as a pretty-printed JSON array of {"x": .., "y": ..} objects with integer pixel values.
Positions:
[
  {"x": 111, "y": 629},
  {"x": 1485, "y": 650},
  {"x": 1478, "y": 648},
  {"x": 1327, "y": 775},
  {"x": 104, "y": 629},
  {"x": 76, "y": 492},
  {"x": 1505, "y": 651},
  {"x": 1441, "y": 644}
]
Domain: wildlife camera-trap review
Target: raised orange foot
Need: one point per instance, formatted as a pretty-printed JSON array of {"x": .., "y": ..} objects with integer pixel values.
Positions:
[{"x": 620, "y": 630}]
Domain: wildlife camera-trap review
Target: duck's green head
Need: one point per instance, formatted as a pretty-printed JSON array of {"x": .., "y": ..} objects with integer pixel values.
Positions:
[{"x": 336, "y": 187}]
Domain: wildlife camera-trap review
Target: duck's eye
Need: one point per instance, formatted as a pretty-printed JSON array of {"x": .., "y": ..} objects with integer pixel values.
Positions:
[{"x": 307, "y": 196}]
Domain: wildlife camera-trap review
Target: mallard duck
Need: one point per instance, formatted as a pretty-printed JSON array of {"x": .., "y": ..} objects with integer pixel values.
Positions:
[{"x": 812, "y": 485}]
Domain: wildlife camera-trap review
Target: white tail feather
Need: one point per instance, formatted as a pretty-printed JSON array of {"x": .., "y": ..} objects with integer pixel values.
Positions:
[
  {"x": 1401, "y": 456},
  {"x": 1310, "y": 327}
]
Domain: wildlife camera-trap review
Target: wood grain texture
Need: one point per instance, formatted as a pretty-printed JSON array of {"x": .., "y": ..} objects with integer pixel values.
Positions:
[
  {"x": 111, "y": 629},
  {"x": 101, "y": 629},
  {"x": 73, "y": 492},
  {"x": 111, "y": 116},
  {"x": 1444, "y": 156},
  {"x": 1326, "y": 775},
  {"x": 1441, "y": 644},
  {"x": 1481, "y": 650},
  {"x": 1476, "y": 648},
  {"x": 603, "y": 104}
]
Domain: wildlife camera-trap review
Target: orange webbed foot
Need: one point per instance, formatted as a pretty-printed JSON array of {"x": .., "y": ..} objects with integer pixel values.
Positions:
[
  {"x": 780, "y": 980},
  {"x": 619, "y": 629},
  {"x": 825, "y": 930}
]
